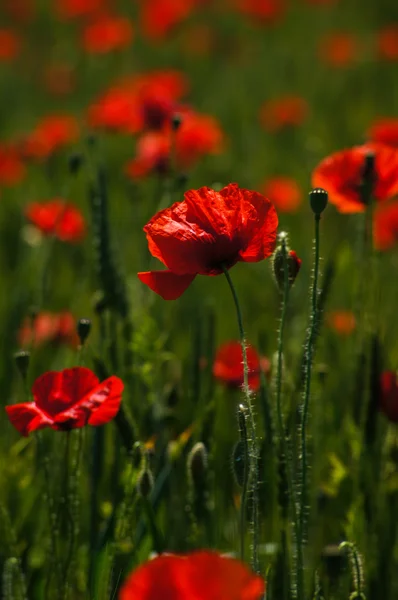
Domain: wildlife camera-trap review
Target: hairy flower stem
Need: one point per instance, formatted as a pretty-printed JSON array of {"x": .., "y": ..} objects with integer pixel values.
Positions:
[
  {"x": 252, "y": 458},
  {"x": 242, "y": 420},
  {"x": 303, "y": 492},
  {"x": 281, "y": 427}
]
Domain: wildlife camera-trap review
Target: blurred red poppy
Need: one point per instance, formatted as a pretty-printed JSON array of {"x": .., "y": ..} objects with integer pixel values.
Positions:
[
  {"x": 10, "y": 45},
  {"x": 341, "y": 175},
  {"x": 59, "y": 79},
  {"x": 203, "y": 575},
  {"x": 12, "y": 169},
  {"x": 287, "y": 111},
  {"x": 69, "y": 399},
  {"x": 342, "y": 322},
  {"x": 71, "y": 9},
  {"x": 205, "y": 232},
  {"x": 262, "y": 11},
  {"x": 160, "y": 17},
  {"x": 387, "y": 42},
  {"x": 228, "y": 365},
  {"x": 47, "y": 327},
  {"x": 385, "y": 226},
  {"x": 388, "y": 401},
  {"x": 107, "y": 34},
  {"x": 50, "y": 135},
  {"x": 338, "y": 49},
  {"x": 57, "y": 218},
  {"x": 384, "y": 131},
  {"x": 284, "y": 193}
]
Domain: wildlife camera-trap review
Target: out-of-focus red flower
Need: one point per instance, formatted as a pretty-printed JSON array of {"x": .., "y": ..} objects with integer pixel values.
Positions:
[
  {"x": 47, "y": 327},
  {"x": 384, "y": 131},
  {"x": 59, "y": 79},
  {"x": 160, "y": 17},
  {"x": 10, "y": 45},
  {"x": 338, "y": 49},
  {"x": 385, "y": 226},
  {"x": 388, "y": 401},
  {"x": 58, "y": 218},
  {"x": 107, "y": 34},
  {"x": 387, "y": 42},
  {"x": 141, "y": 102},
  {"x": 69, "y": 399},
  {"x": 50, "y": 135},
  {"x": 341, "y": 175},
  {"x": 341, "y": 321},
  {"x": 20, "y": 10},
  {"x": 205, "y": 232},
  {"x": 284, "y": 193},
  {"x": 197, "y": 136},
  {"x": 262, "y": 11},
  {"x": 228, "y": 365},
  {"x": 203, "y": 575},
  {"x": 287, "y": 111},
  {"x": 12, "y": 169},
  {"x": 71, "y": 9}
]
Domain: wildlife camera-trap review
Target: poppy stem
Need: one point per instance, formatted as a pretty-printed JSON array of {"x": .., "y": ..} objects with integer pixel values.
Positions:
[
  {"x": 303, "y": 493},
  {"x": 252, "y": 458}
]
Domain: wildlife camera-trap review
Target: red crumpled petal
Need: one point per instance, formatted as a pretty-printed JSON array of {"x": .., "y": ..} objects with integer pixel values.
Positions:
[
  {"x": 167, "y": 284},
  {"x": 27, "y": 417}
]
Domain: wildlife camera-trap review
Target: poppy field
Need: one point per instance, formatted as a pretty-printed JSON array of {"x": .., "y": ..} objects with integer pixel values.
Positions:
[{"x": 198, "y": 253}]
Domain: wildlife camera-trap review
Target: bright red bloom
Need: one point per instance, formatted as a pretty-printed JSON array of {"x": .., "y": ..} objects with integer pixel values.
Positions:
[
  {"x": 159, "y": 17},
  {"x": 384, "y": 131},
  {"x": 58, "y": 218},
  {"x": 388, "y": 401},
  {"x": 203, "y": 575},
  {"x": 206, "y": 231},
  {"x": 12, "y": 169},
  {"x": 385, "y": 226},
  {"x": 107, "y": 34},
  {"x": 47, "y": 327},
  {"x": 262, "y": 11},
  {"x": 228, "y": 365},
  {"x": 50, "y": 135},
  {"x": 10, "y": 45},
  {"x": 338, "y": 49},
  {"x": 387, "y": 42},
  {"x": 284, "y": 193},
  {"x": 342, "y": 322},
  {"x": 341, "y": 175},
  {"x": 69, "y": 399},
  {"x": 287, "y": 111},
  {"x": 71, "y": 9}
]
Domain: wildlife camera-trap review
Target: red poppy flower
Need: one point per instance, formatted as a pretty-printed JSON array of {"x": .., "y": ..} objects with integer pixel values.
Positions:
[
  {"x": 388, "y": 401},
  {"x": 387, "y": 42},
  {"x": 342, "y": 322},
  {"x": 288, "y": 111},
  {"x": 385, "y": 226},
  {"x": 338, "y": 49},
  {"x": 284, "y": 193},
  {"x": 71, "y": 9},
  {"x": 262, "y": 11},
  {"x": 47, "y": 327},
  {"x": 50, "y": 135},
  {"x": 107, "y": 34},
  {"x": 228, "y": 365},
  {"x": 206, "y": 231},
  {"x": 57, "y": 218},
  {"x": 160, "y": 17},
  {"x": 384, "y": 131},
  {"x": 341, "y": 175},
  {"x": 203, "y": 575},
  {"x": 10, "y": 45},
  {"x": 59, "y": 79},
  {"x": 69, "y": 399},
  {"x": 12, "y": 169}
]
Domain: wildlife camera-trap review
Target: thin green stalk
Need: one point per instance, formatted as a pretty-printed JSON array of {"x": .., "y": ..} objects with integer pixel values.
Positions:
[
  {"x": 306, "y": 401},
  {"x": 242, "y": 418},
  {"x": 253, "y": 445}
]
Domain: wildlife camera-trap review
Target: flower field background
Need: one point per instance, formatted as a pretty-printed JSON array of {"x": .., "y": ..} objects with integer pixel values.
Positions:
[{"x": 191, "y": 133}]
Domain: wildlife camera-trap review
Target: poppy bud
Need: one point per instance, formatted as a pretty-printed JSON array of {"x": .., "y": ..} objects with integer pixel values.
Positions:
[
  {"x": 197, "y": 464},
  {"x": 318, "y": 200},
  {"x": 75, "y": 162},
  {"x": 145, "y": 483},
  {"x": 283, "y": 257},
  {"x": 22, "y": 359},
  {"x": 83, "y": 330},
  {"x": 176, "y": 121}
]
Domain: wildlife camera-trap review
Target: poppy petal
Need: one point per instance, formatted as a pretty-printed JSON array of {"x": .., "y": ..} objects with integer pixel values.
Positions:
[
  {"x": 27, "y": 417},
  {"x": 108, "y": 408},
  {"x": 167, "y": 284}
]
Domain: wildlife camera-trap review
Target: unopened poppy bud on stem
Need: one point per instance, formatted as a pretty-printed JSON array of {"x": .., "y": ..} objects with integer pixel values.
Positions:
[
  {"x": 318, "y": 200},
  {"x": 197, "y": 464},
  {"x": 83, "y": 330},
  {"x": 284, "y": 257},
  {"x": 22, "y": 359}
]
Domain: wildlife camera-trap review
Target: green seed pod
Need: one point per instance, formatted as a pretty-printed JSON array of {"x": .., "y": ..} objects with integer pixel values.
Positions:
[
  {"x": 83, "y": 330},
  {"x": 318, "y": 200}
]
